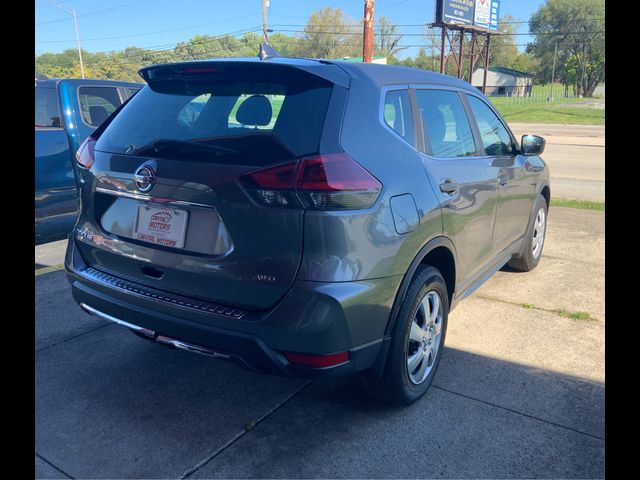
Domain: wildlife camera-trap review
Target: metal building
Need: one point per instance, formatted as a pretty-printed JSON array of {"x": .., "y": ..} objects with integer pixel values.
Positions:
[{"x": 504, "y": 81}]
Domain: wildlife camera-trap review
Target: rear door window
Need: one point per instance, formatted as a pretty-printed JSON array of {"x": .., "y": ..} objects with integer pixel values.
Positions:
[
  {"x": 445, "y": 123},
  {"x": 47, "y": 110},
  {"x": 249, "y": 116},
  {"x": 397, "y": 115},
  {"x": 97, "y": 103}
]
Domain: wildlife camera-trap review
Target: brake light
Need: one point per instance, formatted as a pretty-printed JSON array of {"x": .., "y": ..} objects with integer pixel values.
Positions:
[
  {"x": 200, "y": 70},
  {"x": 278, "y": 177},
  {"x": 317, "y": 361},
  {"x": 85, "y": 155},
  {"x": 323, "y": 182},
  {"x": 272, "y": 187}
]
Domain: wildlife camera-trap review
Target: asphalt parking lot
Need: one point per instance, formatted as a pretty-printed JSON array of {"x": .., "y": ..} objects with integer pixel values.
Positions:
[{"x": 519, "y": 392}]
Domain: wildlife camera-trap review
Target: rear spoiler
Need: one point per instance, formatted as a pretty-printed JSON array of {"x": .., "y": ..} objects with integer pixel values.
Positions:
[{"x": 199, "y": 69}]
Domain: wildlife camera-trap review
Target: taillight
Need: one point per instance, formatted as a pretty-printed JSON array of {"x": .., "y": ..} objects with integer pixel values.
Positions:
[
  {"x": 273, "y": 187},
  {"x": 335, "y": 182},
  {"x": 323, "y": 182},
  {"x": 85, "y": 154}
]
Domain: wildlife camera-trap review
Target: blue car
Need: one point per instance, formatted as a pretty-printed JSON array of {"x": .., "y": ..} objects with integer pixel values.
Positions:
[{"x": 67, "y": 112}]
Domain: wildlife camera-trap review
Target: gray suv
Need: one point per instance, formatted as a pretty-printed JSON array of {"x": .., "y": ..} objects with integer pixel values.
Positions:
[{"x": 303, "y": 217}]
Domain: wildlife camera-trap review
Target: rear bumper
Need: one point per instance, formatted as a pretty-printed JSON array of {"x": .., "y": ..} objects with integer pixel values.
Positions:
[{"x": 312, "y": 318}]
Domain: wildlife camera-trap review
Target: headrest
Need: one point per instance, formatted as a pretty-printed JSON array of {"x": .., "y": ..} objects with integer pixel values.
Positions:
[
  {"x": 255, "y": 110},
  {"x": 98, "y": 114},
  {"x": 436, "y": 125}
]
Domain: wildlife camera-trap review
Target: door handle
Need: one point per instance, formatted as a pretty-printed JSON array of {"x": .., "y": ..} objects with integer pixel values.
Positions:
[{"x": 449, "y": 186}]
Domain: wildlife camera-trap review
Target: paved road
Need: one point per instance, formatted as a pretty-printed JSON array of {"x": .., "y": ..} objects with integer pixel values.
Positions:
[
  {"x": 519, "y": 392},
  {"x": 575, "y": 154}
]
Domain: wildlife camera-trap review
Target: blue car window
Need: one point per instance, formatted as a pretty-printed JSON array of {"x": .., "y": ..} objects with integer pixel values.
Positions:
[
  {"x": 97, "y": 103},
  {"x": 495, "y": 138},
  {"x": 397, "y": 114},
  {"x": 47, "y": 111},
  {"x": 445, "y": 123}
]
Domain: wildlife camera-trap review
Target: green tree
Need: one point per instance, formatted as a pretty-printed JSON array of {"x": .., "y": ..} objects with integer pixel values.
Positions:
[
  {"x": 424, "y": 61},
  {"x": 503, "y": 51},
  {"x": 525, "y": 62},
  {"x": 329, "y": 33},
  {"x": 576, "y": 27},
  {"x": 286, "y": 45},
  {"x": 386, "y": 38}
]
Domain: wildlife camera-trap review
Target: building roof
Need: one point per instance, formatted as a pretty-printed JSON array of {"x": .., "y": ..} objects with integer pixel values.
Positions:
[
  {"x": 508, "y": 71},
  {"x": 359, "y": 59}
]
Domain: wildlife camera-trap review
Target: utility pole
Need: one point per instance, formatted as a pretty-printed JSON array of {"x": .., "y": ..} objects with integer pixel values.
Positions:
[
  {"x": 460, "y": 53},
  {"x": 443, "y": 37},
  {"x": 265, "y": 4},
  {"x": 472, "y": 56},
  {"x": 486, "y": 64},
  {"x": 72, "y": 12},
  {"x": 433, "y": 51},
  {"x": 367, "y": 43},
  {"x": 553, "y": 70}
]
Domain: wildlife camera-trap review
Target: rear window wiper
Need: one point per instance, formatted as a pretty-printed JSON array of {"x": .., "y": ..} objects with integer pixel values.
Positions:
[{"x": 183, "y": 146}]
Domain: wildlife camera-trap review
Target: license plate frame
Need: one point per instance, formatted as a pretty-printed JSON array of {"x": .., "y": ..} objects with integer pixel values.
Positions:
[{"x": 161, "y": 225}]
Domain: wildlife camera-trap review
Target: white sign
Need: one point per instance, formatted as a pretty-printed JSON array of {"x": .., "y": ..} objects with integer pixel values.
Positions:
[
  {"x": 162, "y": 226},
  {"x": 483, "y": 12}
]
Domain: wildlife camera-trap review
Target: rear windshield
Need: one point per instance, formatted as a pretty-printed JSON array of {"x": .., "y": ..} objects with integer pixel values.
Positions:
[{"x": 249, "y": 115}]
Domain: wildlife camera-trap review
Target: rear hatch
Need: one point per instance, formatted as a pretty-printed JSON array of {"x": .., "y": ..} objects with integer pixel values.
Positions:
[{"x": 174, "y": 202}]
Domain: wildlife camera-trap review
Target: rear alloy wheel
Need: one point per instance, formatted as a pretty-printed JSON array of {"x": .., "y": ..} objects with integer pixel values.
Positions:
[
  {"x": 534, "y": 239},
  {"x": 425, "y": 335},
  {"x": 417, "y": 341}
]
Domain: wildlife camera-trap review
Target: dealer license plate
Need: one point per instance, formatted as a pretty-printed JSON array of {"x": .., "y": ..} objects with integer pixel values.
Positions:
[{"x": 162, "y": 226}]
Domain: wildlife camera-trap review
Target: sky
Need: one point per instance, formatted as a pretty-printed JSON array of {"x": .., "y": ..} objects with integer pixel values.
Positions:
[{"x": 108, "y": 25}]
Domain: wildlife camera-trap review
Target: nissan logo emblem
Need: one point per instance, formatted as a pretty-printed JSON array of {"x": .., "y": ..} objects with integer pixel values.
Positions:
[{"x": 145, "y": 178}]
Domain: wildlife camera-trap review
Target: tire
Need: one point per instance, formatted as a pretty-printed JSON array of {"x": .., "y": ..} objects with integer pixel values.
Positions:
[
  {"x": 400, "y": 385},
  {"x": 530, "y": 256}
]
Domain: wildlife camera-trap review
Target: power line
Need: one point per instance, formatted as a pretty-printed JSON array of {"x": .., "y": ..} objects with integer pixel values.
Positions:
[
  {"x": 156, "y": 32},
  {"x": 297, "y": 41},
  {"x": 172, "y": 46},
  {"x": 425, "y": 24},
  {"x": 98, "y": 12},
  {"x": 333, "y": 32}
]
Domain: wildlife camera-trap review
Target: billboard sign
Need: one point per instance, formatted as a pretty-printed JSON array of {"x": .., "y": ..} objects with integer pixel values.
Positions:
[
  {"x": 472, "y": 13},
  {"x": 487, "y": 14},
  {"x": 456, "y": 12}
]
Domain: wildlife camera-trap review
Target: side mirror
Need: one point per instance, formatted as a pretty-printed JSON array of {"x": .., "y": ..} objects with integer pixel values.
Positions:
[{"x": 532, "y": 145}]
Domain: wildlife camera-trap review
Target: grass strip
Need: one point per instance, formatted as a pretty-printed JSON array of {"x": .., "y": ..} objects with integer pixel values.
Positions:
[
  {"x": 53, "y": 268},
  {"x": 575, "y": 203}
]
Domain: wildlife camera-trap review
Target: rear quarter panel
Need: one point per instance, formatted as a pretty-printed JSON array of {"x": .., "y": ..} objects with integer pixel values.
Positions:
[{"x": 364, "y": 244}]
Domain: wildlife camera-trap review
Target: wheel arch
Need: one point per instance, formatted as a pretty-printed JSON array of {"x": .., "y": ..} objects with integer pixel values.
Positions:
[
  {"x": 438, "y": 252},
  {"x": 545, "y": 191}
]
